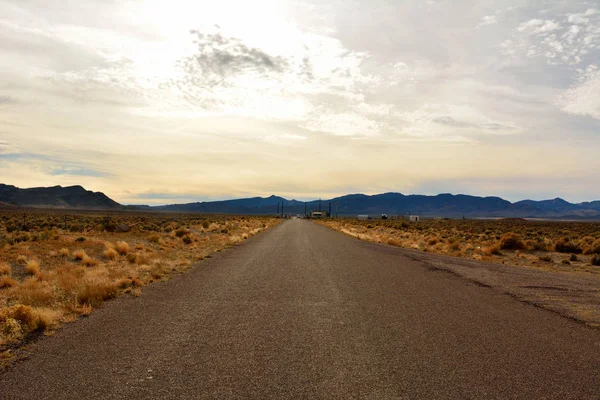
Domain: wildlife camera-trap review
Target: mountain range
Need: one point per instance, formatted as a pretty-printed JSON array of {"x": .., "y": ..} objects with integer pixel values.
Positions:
[
  {"x": 442, "y": 205},
  {"x": 55, "y": 197}
]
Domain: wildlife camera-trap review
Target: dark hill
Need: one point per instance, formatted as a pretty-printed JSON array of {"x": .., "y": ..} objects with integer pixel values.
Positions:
[
  {"x": 56, "y": 197},
  {"x": 442, "y": 205}
]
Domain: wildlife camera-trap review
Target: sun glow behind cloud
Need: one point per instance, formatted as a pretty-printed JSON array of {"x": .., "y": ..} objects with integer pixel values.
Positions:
[{"x": 212, "y": 100}]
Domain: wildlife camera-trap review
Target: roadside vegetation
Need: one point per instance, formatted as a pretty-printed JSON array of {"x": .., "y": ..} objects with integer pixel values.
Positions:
[
  {"x": 56, "y": 267},
  {"x": 549, "y": 245}
]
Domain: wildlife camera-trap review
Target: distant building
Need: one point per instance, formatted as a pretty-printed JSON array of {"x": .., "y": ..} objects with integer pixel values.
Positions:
[
  {"x": 363, "y": 217},
  {"x": 414, "y": 218},
  {"x": 318, "y": 214}
]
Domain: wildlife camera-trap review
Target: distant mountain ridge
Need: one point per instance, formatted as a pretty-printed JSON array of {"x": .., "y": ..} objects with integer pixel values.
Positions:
[
  {"x": 441, "y": 205},
  {"x": 56, "y": 197}
]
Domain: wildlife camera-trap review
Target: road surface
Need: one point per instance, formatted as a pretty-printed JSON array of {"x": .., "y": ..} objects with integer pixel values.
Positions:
[{"x": 303, "y": 312}]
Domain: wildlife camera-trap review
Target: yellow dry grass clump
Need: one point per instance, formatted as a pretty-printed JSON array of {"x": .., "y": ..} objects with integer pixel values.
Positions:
[
  {"x": 5, "y": 269},
  {"x": 110, "y": 254},
  {"x": 122, "y": 247},
  {"x": 32, "y": 267},
  {"x": 79, "y": 254}
]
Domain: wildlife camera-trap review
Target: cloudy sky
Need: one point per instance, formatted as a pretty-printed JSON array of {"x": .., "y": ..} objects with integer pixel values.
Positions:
[{"x": 155, "y": 101}]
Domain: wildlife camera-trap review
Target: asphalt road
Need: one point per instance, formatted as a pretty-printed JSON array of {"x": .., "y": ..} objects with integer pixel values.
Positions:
[{"x": 303, "y": 312}]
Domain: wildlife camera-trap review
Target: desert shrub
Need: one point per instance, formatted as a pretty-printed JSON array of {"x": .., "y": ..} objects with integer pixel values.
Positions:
[
  {"x": 33, "y": 292},
  {"x": 595, "y": 260},
  {"x": 181, "y": 232},
  {"x": 187, "y": 239},
  {"x": 5, "y": 269},
  {"x": 110, "y": 254},
  {"x": 28, "y": 319},
  {"x": 154, "y": 238},
  {"x": 32, "y": 267},
  {"x": 80, "y": 239},
  {"x": 511, "y": 241},
  {"x": 538, "y": 245},
  {"x": 564, "y": 245},
  {"x": 79, "y": 254},
  {"x": 11, "y": 228},
  {"x": 573, "y": 257},
  {"x": 122, "y": 247},
  {"x": 7, "y": 282},
  {"x": 394, "y": 242},
  {"x": 492, "y": 250},
  {"x": 205, "y": 224},
  {"x": 546, "y": 258},
  {"x": 89, "y": 261},
  {"x": 64, "y": 252},
  {"x": 454, "y": 243},
  {"x": 23, "y": 237},
  {"x": 95, "y": 291},
  {"x": 137, "y": 258},
  {"x": 593, "y": 248},
  {"x": 76, "y": 228},
  {"x": 22, "y": 260}
]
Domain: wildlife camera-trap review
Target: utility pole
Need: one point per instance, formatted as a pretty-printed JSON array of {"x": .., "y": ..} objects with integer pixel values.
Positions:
[
  {"x": 319, "y": 204},
  {"x": 329, "y": 209},
  {"x": 282, "y": 214},
  {"x": 304, "y": 209},
  {"x": 278, "y": 209}
]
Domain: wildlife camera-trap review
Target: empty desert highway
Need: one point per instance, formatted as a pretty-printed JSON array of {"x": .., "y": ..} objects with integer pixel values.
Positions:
[{"x": 302, "y": 312}]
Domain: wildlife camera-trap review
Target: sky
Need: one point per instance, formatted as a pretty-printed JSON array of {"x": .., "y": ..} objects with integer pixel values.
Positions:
[{"x": 158, "y": 102}]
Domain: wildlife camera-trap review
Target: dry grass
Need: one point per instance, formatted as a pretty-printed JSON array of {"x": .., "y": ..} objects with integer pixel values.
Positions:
[
  {"x": 89, "y": 261},
  {"x": 7, "y": 282},
  {"x": 110, "y": 254},
  {"x": 80, "y": 273},
  {"x": 122, "y": 247},
  {"x": 5, "y": 269},
  {"x": 79, "y": 254},
  {"x": 32, "y": 267},
  {"x": 511, "y": 241},
  {"x": 534, "y": 244}
]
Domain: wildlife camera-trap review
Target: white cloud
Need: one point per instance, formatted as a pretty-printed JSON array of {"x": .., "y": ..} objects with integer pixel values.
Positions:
[
  {"x": 488, "y": 20},
  {"x": 584, "y": 97},
  {"x": 569, "y": 39},
  {"x": 538, "y": 26}
]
